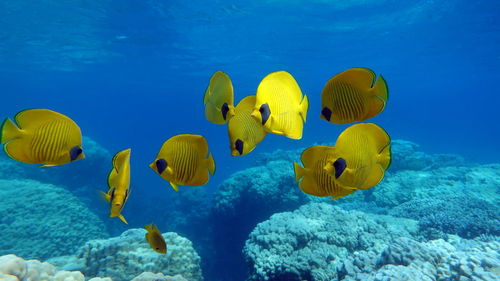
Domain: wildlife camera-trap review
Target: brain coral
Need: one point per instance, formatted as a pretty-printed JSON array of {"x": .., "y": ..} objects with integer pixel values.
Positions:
[
  {"x": 309, "y": 243},
  {"x": 406, "y": 259},
  {"x": 129, "y": 254},
  {"x": 42, "y": 220}
]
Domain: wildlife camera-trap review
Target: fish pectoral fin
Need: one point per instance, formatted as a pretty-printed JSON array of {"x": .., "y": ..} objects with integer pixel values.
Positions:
[
  {"x": 122, "y": 218},
  {"x": 105, "y": 196},
  {"x": 174, "y": 186}
]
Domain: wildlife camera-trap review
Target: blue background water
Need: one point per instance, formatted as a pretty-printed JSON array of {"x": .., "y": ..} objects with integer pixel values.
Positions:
[{"x": 133, "y": 73}]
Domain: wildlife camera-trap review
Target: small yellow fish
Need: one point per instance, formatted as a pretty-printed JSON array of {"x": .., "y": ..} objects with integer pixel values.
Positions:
[
  {"x": 314, "y": 180},
  {"x": 352, "y": 96},
  {"x": 182, "y": 160},
  {"x": 245, "y": 133},
  {"x": 280, "y": 106},
  {"x": 42, "y": 136},
  {"x": 219, "y": 98},
  {"x": 363, "y": 154},
  {"x": 155, "y": 239},
  {"x": 119, "y": 184}
]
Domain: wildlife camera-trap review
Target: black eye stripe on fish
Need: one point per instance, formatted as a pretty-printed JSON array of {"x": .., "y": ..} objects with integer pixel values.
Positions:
[
  {"x": 75, "y": 152},
  {"x": 340, "y": 166},
  {"x": 327, "y": 113},
  {"x": 239, "y": 146},
  {"x": 265, "y": 113},
  {"x": 224, "y": 110},
  {"x": 161, "y": 165}
]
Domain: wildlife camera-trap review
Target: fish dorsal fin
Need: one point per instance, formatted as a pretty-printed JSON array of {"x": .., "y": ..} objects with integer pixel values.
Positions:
[
  {"x": 359, "y": 77},
  {"x": 112, "y": 177},
  {"x": 312, "y": 154},
  {"x": 149, "y": 227},
  {"x": 32, "y": 118}
]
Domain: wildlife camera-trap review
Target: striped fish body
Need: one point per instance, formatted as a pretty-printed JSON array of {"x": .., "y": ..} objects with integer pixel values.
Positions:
[
  {"x": 352, "y": 96},
  {"x": 365, "y": 147},
  {"x": 42, "y": 136},
  {"x": 286, "y": 105},
  {"x": 245, "y": 133},
  {"x": 186, "y": 160},
  {"x": 314, "y": 180}
]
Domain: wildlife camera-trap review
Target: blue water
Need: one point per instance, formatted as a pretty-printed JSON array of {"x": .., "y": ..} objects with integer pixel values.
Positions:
[{"x": 133, "y": 73}]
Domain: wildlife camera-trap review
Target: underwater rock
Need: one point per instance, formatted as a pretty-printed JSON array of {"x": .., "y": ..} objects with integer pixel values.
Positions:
[
  {"x": 407, "y": 259},
  {"x": 129, "y": 254},
  {"x": 40, "y": 220},
  {"x": 311, "y": 242}
]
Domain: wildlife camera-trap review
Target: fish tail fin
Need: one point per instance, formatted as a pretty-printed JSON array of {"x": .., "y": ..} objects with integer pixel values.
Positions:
[
  {"x": 9, "y": 131},
  {"x": 122, "y": 218},
  {"x": 380, "y": 96},
  {"x": 174, "y": 186},
  {"x": 211, "y": 164},
  {"x": 304, "y": 106},
  {"x": 384, "y": 157},
  {"x": 299, "y": 171},
  {"x": 380, "y": 88}
]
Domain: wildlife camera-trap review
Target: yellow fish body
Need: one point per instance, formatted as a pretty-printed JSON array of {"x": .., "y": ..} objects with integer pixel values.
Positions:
[
  {"x": 280, "y": 106},
  {"x": 182, "y": 160},
  {"x": 42, "y": 136},
  {"x": 352, "y": 96},
  {"x": 314, "y": 180},
  {"x": 119, "y": 184},
  {"x": 219, "y": 98},
  {"x": 363, "y": 154},
  {"x": 155, "y": 239},
  {"x": 245, "y": 133}
]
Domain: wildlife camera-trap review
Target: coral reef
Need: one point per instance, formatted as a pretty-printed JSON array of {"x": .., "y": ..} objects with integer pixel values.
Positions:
[
  {"x": 148, "y": 276},
  {"x": 407, "y": 259},
  {"x": 128, "y": 255},
  {"x": 13, "y": 268},
  {"x": 309, "y": 243},
  {"x": 40, "y": 220},
  {"x": 406, "y": 155},
  {"x": 466, "y": 216}
]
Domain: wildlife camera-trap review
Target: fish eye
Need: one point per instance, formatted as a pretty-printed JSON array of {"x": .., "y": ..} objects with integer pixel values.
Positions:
[
  {"x": 224, "y": 110},
  {"x": 238, "y": 144},
  {"x": 157, "y": 248},
  {"x": 75, "y": 152},
  {"x": 265, "y": 112},
  {"x": 161, "y": 165},
  {"x": 340, "y": 166}
]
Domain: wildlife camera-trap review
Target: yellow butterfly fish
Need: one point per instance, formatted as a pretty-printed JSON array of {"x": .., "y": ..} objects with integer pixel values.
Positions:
[
  {"x": 245, "y": 133},
  {"x": 363, "y": 153},
  {"x": 313, "y": 179},
  {"x": 42, "y": 136},
  {"x": 219, "y": 98},
  {"x": 182, "y": 160},
  {"x": 280, "y": 106},
  {"x": 353, "y": 96},
  {"x": 119, "y": 184}
]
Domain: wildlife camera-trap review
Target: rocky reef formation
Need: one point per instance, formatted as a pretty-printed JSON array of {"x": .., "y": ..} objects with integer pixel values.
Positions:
[
  {"x": 39, "y": 220},
  {"x": 129, "y": 255},
  {"x": 13, "y": 268},
  {"x": 407, "y": 259},
  {"x": 311, "y": 242}
]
